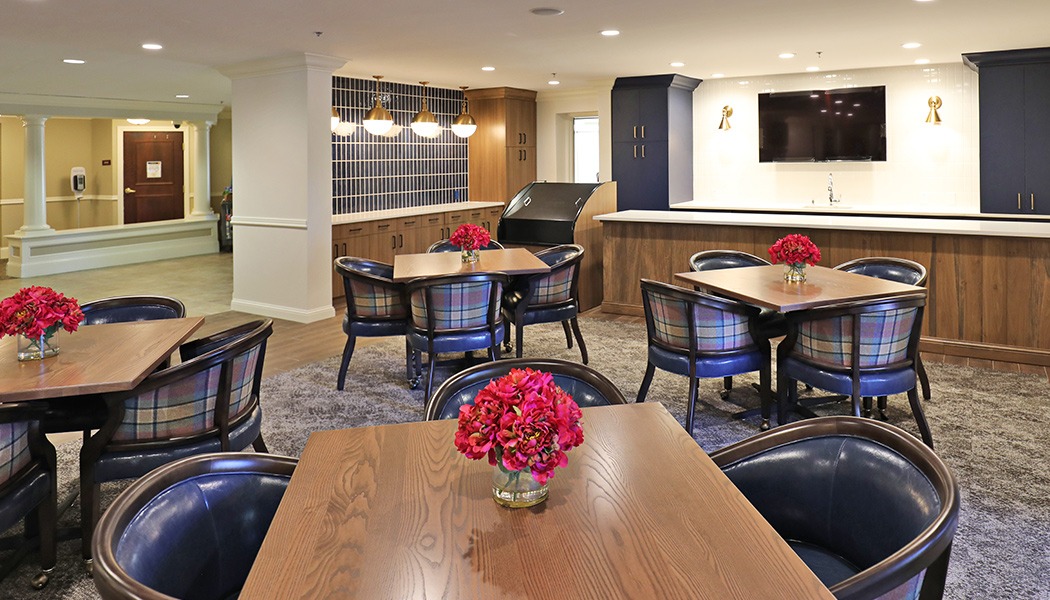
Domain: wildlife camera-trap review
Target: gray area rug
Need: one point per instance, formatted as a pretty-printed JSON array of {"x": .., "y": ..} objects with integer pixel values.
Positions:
[{"x": 992, "y": 428}]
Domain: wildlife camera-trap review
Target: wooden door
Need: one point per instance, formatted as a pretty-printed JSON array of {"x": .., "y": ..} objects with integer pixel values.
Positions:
[{"x": 153, "y": 189}]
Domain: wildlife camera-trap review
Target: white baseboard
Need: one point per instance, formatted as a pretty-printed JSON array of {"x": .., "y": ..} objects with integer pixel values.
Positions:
[{"x": 287, "y": 313}]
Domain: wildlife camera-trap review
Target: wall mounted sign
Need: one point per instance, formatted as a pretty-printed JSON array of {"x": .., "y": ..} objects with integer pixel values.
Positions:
[{"x": 152, "y": 169}]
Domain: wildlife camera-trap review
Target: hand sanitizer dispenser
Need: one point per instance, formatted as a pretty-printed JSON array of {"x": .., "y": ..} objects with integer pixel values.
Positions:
[{"x": 78, "y": 181}]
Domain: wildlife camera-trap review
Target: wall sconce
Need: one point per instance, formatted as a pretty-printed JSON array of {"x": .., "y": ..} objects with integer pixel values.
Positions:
[
  {"x": 425, "y": 124},
  {"x": 933, "y": 118},
  {"x": 727, "y": 111},
  {"x": 464, "y": 125},
  {"x": 339, "y": 126},
  {"x": 377, "y": 120}
]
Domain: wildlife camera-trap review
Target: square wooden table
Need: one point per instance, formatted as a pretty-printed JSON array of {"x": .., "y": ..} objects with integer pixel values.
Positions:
[
  {"x": 512, "y": 261},
  {"x": 640, "y": 511},
  {"x": 765, "y": 286},
  {"x": 93, "y": 360}
]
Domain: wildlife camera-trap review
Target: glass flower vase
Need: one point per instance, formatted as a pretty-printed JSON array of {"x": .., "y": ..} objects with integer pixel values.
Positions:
[
  {"x": 516, "y": 489},
  {"x": 469, "y": 256},
  {"x": 795, "y": 272},
  {"x": 36, "y": 348}
]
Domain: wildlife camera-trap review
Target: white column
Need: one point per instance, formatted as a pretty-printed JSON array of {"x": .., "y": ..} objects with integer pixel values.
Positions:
[
  {"x": 202, "y": 169},
  {"x": 35, "y": 193},
  {"x": 282, "y": 170}
]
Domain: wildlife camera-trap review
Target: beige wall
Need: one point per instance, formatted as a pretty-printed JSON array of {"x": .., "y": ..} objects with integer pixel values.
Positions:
[{"x": 221, "y": 157}]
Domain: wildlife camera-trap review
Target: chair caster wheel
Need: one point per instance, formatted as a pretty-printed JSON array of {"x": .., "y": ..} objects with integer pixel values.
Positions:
[
  {"x": 41, "y": 579},
  {"x": 413, "y": 383},
  {"x": 724, "y": 394},
  {"x": 764, "y": 426},
  {"x": 507, "y": 349},
  {"x": 89, "y": 567}
]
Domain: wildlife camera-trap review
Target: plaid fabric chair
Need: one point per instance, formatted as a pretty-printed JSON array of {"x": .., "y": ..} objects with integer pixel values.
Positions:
[
  {"x": 207, "y": 403},
  {"x": 900, "y": 270},
  {"x": 454, "y": 313},
  {"x": 857, "y": 349},
  {"x": 28, "y": 488},
  {"x": 698, "y": 335},
  {"x": 869, "y": 509},
  {"x": 448, "y": 246},
  {"x": 375, "y": 307},
  {"x": 547, "y": 297}
]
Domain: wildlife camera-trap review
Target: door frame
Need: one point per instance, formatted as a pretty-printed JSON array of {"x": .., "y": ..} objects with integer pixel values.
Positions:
[{"x": 186, "y": 164}]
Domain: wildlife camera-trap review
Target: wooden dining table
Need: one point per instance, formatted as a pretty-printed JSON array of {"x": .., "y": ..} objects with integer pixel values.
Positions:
[
  {"x": 512, "y": 261},
  {"x": 765, "y": 287},
  {"x": 640, "y": 511},
  {"x": 94, "y": 360}
]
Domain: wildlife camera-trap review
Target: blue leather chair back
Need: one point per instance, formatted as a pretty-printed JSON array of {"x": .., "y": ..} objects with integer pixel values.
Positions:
[
  {"x": 883, "y": 267},
  {"x": 191, "y": 529},
  {"x": 124, "y": 309},
  {"x": 710, "y": 260},
  {"x": 586, "y": 386},
  {"x": 448, "y": 246}
]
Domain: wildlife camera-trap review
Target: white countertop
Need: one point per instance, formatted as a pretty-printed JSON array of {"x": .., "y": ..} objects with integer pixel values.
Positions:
[
  {"x": 376, "y": 215},
  {"x": 997, "y": 227}
]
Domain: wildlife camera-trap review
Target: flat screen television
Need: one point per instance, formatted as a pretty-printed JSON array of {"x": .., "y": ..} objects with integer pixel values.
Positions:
[{"x": 824, "y": 125}]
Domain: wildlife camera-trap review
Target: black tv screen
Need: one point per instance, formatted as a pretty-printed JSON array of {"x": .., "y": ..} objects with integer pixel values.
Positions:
[{"x": 825, "y": 125}]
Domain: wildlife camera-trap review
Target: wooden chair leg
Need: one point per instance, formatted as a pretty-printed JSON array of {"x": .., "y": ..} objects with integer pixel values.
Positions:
[
  {"x": 519, "y": 338},
  {"x": 408, "y": 361},
  {"x": 431, "y": 363},
  {"x": 579, "y": 338},
  {"x": 506, "y": 336},
  {"x": 348, "y": 351},
  {"x": 924, "y": 380},
  {"x": 568, "y": 336},
  {"x": 694, "y": 390},
  {"x": 782, "y": 397},
  {"x": 727, "y": 387},
  {"x": 920, "y": 417},
  {"x": 260, "y": 445},
  {"x": 764, "y": 381},
  {"x": 89, "y": 510},
  {"x": 867, "y": 406},
  {"x": 643, "y": 391},
  {"x": 883, "y": 400}
]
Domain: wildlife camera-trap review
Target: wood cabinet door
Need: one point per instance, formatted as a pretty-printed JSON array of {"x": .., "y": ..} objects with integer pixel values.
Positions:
[
  {"x": 431, "y": 230},
  {"x": 640, "y": 172},
  {"x": 1002, "y": 113},
  {"x": 625, "y": 115},
  {"x": 491, "y": 218},
  {"x": 521, "y": 171},
  {"x": 1036, "y": 198},
  {"x": 653, "y": 114},
  {"x": 385, "y": 244},
  {"x": 521, "y": 122}
]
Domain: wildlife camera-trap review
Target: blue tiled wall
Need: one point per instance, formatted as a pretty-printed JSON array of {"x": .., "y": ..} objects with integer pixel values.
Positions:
[{"x": 371, "y": 172}]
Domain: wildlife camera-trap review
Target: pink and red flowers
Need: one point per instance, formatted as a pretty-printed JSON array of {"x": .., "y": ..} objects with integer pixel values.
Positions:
[
  {"x": 794, "y": 249},
  {"x": 470, "y": 237},
  {"x": 38, "y": 311},
  {"x": 524, "y": 420}
]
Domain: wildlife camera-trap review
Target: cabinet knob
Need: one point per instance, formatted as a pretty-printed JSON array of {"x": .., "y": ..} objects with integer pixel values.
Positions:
[
  {"x": 643, "y": 149},
  {"x": 636, "y": 151},
  {"x": 1033, "y": 201},
  {"x": 643, "y": 132},
  {"x": 1018, "y": 200},
  {"x": 634, "y": 132}
]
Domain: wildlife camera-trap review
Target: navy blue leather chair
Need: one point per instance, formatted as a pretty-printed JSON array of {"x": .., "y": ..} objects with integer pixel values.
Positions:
[
  {"x": 123, "y": 309},
  {"x": 454, "y": 313},
  {"x": 586, "y": 386},
  {"x": 28, "y": 488},
  {"x": 770, "y": 323},
  {"x": 552, "y": 297},
  {"x": 857, "y": 349},
  {"x": 189, "y": 529},
  {"x": 207, "y": 403},
  {"x": 448, "y": 246},
  {"x": 900, "y": 270},
  {"x": 865, "y": 505},
  {"x": 698, "y": 335},
  {"x": 375, "y": 307}
]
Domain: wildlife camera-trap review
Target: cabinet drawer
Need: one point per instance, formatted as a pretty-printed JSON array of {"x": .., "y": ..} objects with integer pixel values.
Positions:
[{"x": 347, "y": 230}]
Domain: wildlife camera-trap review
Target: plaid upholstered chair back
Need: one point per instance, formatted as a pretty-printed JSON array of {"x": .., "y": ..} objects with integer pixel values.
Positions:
[
  {"x": 371, "y": 294},
  {"x": 28, "y": 489},
  {"x": 868, "y": 335},
  {"x": 456, "y": 302},
  {"x": 561, "y": 283},
  {"x": 679, "y": 319},
  {"x": 14, "y": 449}
]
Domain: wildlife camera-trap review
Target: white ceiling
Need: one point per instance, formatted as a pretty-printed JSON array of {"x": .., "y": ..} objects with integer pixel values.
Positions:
[{"x": 448, "y": 41}]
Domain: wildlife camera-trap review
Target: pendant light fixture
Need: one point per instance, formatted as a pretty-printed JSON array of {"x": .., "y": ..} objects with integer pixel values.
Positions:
[
  {"x": 377, "y": 120},
  {"x": 340, "y": 127},
  {"x": 464, "y": 125},
  {"x": 425, "y": 124}
]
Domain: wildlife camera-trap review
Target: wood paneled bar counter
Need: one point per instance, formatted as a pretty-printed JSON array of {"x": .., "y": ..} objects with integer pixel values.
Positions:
[{"x": 989, "y": 278}]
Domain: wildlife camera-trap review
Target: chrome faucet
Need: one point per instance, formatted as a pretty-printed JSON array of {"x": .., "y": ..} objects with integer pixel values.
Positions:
[{"x": 831, "y": 189}]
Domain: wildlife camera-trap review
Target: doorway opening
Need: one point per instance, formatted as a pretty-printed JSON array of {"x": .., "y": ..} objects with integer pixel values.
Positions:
[{"x": 585, "y": 150}]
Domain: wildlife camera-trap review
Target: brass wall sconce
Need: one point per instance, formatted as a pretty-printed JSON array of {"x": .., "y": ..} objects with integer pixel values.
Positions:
[
  {"x": 425, "y": 124},
  {"x": 933, "y": 118},
  {"x": 464, "y": 125},
  {"x": 727, "y": 111},
  {"x": 377, "y": 120}
]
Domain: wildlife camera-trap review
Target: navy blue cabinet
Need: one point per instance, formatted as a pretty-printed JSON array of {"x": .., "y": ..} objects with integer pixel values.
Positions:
[
  {"x": 652, "y": 134},
  {"x": 1014, "y": 130}
]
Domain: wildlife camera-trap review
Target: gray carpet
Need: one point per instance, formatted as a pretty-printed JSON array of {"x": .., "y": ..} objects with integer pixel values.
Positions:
[{"x": 991, "y": 427}]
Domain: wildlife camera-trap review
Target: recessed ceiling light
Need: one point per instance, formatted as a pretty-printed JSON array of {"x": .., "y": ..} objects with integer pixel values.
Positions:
[
  {"x": 743, "y": 82},
  {"x": 812, "y": 69},
  {"x": 182, "y": 95},
  {"x": 838, "y": 102},
  {"x": 823, "y": 110},
  {"x": 786, "y": 55},
  {"x": 717, "y": 75},
  {"x": 910, "y": 45},
  {"x": 72, "y": 61},
  {"x": 678, "y": 64},
  {"x": 488, "y": 68},
  {"x": 152, "y": 47},
  {"x": 814, "y": 95},
  {"x": 922, "y": 61},
  {"x": 610, "y": 32},
  {"x": 547, "y": 12}
]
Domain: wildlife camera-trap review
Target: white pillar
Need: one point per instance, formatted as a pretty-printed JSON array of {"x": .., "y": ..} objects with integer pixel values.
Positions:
[
  {"x": 35, "y": 194},
  {"x": 202, "y": 169},
  {"x": 282, "y": 169}
]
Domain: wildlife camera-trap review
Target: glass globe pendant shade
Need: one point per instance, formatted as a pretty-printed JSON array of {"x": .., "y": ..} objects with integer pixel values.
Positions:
[
  {"x": 344, "y": 129},
  {"x": 464, "y": 126},
  {"x": 425, "y": 123},
  {"x": 335, "y": 119}
]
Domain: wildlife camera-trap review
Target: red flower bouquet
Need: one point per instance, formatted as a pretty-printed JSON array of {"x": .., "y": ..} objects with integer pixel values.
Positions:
[
  {"x": 522, "y": 421},
  {"x": 37, "y": 312},
  {"x": 470, "y": 237},
  {"x": 794, "y": 249}
]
